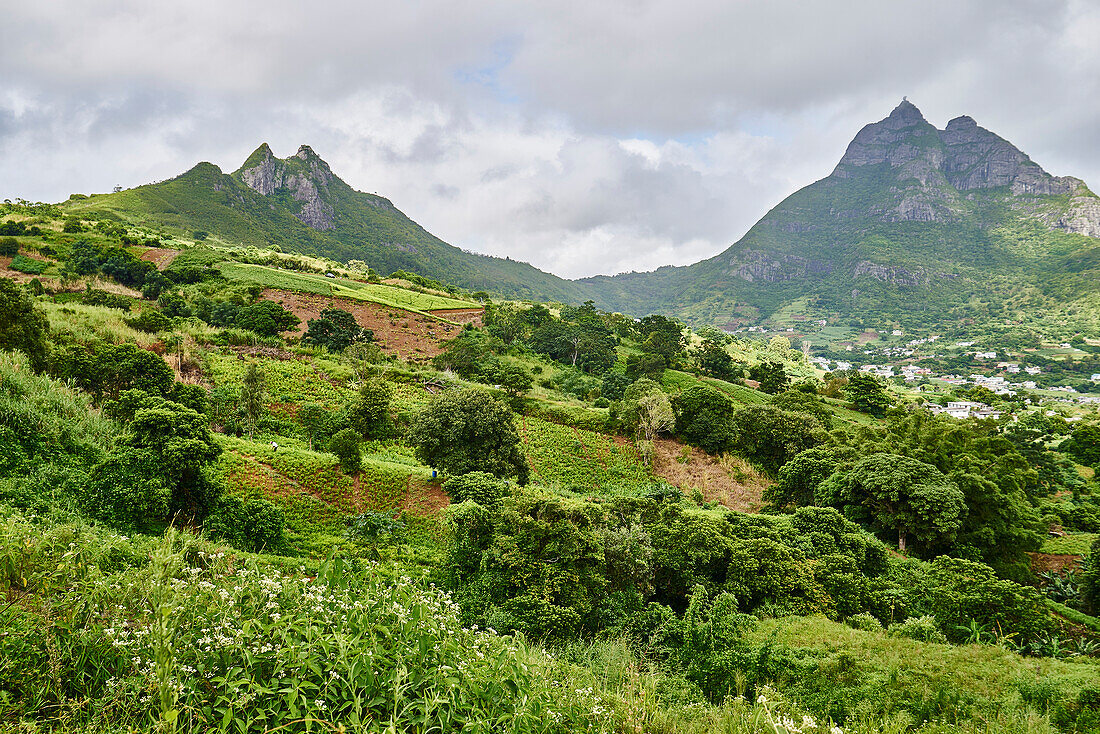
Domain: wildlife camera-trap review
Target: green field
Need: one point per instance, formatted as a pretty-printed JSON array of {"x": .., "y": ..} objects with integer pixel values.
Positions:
[{"x": 341, "y": 288}]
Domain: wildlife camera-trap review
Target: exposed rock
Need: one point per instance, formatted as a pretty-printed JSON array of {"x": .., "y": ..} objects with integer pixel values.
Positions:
[
  {"x": 1082, "y": 217},
  {"x": 266, "y": 174},
  {"x": 979, "y": 159},
  {"x": 757, "y": 265},
  {"x": 893, "y": 274}
]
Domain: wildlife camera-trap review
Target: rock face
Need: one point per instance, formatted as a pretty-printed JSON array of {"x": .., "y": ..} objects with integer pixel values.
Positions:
[
  {"x": 305, "y": 176},
  {"x": 935, "y": 169}
]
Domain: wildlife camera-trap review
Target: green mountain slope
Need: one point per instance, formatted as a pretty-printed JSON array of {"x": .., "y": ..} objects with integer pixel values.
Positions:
[
  {"x": 299, "y": 205},
  {"x": 915, "y": 225}
]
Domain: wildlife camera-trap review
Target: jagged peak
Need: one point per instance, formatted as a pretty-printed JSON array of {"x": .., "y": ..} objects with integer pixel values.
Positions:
[
  {"x": 906, "y": 110},
  {"x": 307, "y": 153},
  {"x": 962, "y": 122}
]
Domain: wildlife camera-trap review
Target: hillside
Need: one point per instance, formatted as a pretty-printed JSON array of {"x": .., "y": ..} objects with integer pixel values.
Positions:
[
  {"x": 915, "y": 226},
  {"x": 299, "y": 205}
]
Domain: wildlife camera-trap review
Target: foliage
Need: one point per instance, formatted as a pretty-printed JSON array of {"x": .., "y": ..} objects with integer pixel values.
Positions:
[
  {"x": 345, "y": 444},
  {"x": 268, "y": 318},
  {"x": 336, "y": 330},
  {"x": 799, "y": 478},
  {"x": 252, "y": 396},
  {"x": 480, "y": 487},
  {"x": 867, "y": 394},
  {"x": 646, "y": 410},
  {"x": 23, "y": 326},
  {"x": 771, "y": 437},
  {"x": 896, "y": 493},
  {"x": 150, "y": 320},
  {"x": 703, "y": 417},
  {"x": 771, "y": 375},
  {"x": 28, "y": 265},
  {"x": 252, "y": 525},
  {"x": 467, "y": 430},
  {"x": 370, "y": 413}
]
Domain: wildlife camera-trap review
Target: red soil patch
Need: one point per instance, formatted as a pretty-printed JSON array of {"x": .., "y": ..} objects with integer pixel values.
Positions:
[
  {"x": 408, "y": 335},
  {"x": 1042, "y": 562},
  {"x": 461, "y": 315},
  {"x": 161, "y": 257},
  {"x": 729, "y": 481},
  {"x": 424, "y": 498}
]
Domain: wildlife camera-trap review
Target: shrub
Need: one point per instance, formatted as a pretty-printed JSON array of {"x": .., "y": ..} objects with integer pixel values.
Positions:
[
  {"x": 864, "y": 621},
  {"x": 28, "y": 265},
  {"x": 253, "y": 525},
  {"x": 476, "y": 486},
  {"x": 149, "y": 320},
  {"x": 9, "y": 247},
  {"x": 345, "y": 444},
  {"x": 922, "y": 629}
]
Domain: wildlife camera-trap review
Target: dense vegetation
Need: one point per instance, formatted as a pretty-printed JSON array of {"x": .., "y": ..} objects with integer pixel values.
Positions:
[{"x": 211, "y": 523}]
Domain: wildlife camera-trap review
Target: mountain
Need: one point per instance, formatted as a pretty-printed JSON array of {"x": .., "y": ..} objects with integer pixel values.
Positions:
[
  {"x": 915, "y": 225},
  {"x": 300, "y": 205}
]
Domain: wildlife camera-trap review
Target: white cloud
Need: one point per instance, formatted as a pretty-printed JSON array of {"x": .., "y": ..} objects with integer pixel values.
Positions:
[{"x": 584, "y": 137}]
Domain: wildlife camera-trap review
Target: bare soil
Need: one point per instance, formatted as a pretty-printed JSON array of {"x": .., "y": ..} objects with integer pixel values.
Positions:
[
  {"x": 424, "y": 498},
  {"x": 159, "y": 256},
  {"x": 1041, "y": 562},
  {"x": 731, "y": 482},
  {"x": 461, "y": 315},
  {"x": 408, "y": 335}
]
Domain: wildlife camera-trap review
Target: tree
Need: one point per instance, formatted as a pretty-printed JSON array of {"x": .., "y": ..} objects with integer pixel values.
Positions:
[
  {"x": 370, "y": 413},
  {"x": 797, "y": 401},
  {"x": 315, "y": 421},
  {"x": 345, "y": 444},
  {"x": 613, "y": 385},
  {"x": 160, "y": 470},
  {"x": 771, "y": 376},
  {"x": 868, "y": 394},
  {"x": 887, "y": 492},
  {"x": 712, "y": 358},
  {"x": 9, "y": 247},
  {"x": 23, "y": 326},
  {"x": 252, "y": 396},
  {"x": 800, "y": 477},
  {"x": 770, "y": 437},
  {"x": 646, "y": 411},
  {"x": 267, "y": 318},
  {"x": 663, "y": 336},
  {"x": 469, "y": 430},
  {"x": 650, "y": 366},
  {"x": 335, "y": 330},
  {"x": 1084, "y": 444},
  {"x": 703, "y": 418},
  {"x": 515, "y": 380}
]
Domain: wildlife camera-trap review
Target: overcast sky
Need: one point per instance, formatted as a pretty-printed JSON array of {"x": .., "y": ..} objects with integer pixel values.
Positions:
[{"x": 584, "y": 137}]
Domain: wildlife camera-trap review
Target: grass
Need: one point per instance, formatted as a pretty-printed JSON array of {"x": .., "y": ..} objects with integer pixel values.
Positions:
[
  {"x": 385, "y": 295},
  {"x": 988, "y": 675},
  {"x": 1076, "y": 544}
]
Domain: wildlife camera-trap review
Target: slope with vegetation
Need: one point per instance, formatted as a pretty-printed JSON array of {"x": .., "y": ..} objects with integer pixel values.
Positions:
[{"x": 214, "y": 517}]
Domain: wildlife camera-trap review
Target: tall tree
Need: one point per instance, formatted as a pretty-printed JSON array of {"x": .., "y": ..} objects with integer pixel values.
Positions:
[{"x": 887, "y": 492}]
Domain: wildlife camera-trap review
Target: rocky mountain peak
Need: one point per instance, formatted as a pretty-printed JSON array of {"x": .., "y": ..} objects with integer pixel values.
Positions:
[
  {"x": 305, "y": 175},
  {"x": 907, "y": 112}
]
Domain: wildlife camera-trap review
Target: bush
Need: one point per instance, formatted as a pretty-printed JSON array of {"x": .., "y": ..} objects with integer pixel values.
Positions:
[
  {"x": 9, "y": 247},
  {"x": 922, "y": 629},
  {"x": 476, "y": 486},
  {"x": 28, "y": 265},
  {"x": 253, "y": 525},
  {"x": 345, "y": 444},
  {"x": 864, "y": 621},
  {"x": 149, "y": 320}
]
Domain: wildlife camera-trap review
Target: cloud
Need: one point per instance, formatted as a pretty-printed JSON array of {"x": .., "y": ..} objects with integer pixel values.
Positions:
[{"x": 584, "y": 137}]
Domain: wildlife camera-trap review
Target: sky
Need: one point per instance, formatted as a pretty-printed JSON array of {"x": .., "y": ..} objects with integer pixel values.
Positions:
[{"x": 583, "y": 137}]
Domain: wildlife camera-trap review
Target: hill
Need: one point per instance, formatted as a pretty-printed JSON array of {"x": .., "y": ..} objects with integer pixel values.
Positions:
[
  {"x": 299, "y": 205},
  {"x": 916, "y": 226}
]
